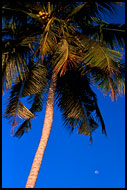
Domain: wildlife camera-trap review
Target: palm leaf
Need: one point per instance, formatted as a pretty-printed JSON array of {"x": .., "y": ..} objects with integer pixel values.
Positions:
[
  {"x": 15, "y": 108},
  {"x": 89, "y": 20},
  {"x": 113, "y": 35},
  {"x": 34, "y": 88},
  {"x": 35, "y": 79},
  {"x": 97, "y": 55},
  {"x": 78, "y": 103},
  {"x": 15, "y": 51},
  {"x": 104, "y": 64},
  {"x": 14, "y": 68},
  {"x": 37, "y": 105},
  {"x": 67, "y": 54},
  {"x": 47, "y": 40},
  {"x": 26, "y": 125},
  {"x": 77, "y": 9},
  {"x": 115, "y": 84},
  {"x": 60, "y": 55},
  {"x": 84, "y": 10}
]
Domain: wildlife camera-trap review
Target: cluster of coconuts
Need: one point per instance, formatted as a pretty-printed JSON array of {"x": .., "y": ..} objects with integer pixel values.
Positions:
[{"x": 43, "y": 15}]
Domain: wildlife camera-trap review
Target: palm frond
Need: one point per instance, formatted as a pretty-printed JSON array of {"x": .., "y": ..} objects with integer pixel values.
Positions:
[
  {"x": 15, "y": 52},
  {"x": 15, "y": 108},
  {"x": 115, "y": 84},
  {"x": 84, "y": 10},
  {"x": 14, "y": 69},
  {"x": 89, "y": 20},
  {"x": 35, "y": 80},
  {"x": 67, "y": 55},
  {"x": 61, "y": 55},
  {"x": 26, "y": 125},
  {"x": 97, "y": 55},
  {"x": 35, "y": 83},
  {"x": 78, "y": 103},
  {"x": 37, "y": 106},
  {"x": 112, "y": 35},
  {"x": 104, "y": 64},
  {"x": 47, "y": 42},
  {"x": 77, "y": 9},
  {"x": 28, "y": 9},
  {"x": 33, "y": 45},
  {"x": 35, "y": 89}
]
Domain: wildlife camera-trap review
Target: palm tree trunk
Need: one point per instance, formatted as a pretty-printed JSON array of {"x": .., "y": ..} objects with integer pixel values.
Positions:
[{"x": 45, "y": 134}]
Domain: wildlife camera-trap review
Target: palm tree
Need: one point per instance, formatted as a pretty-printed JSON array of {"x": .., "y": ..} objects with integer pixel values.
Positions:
[{"x": 61, "y": 49}]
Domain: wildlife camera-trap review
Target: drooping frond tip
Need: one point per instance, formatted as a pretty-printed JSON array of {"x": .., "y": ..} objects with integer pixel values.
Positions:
[{"x": 78, "y": 103}]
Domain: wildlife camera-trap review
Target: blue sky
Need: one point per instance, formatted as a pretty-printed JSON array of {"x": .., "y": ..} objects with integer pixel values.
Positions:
[{"x": 69, "y": 160}]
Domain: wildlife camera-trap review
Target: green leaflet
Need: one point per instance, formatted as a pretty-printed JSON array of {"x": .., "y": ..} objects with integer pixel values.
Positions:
[{"x": 61, "y": 55}]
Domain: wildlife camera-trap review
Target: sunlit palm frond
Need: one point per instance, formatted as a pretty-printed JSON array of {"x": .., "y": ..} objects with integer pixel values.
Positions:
[
  {"x": 67, "y": 54},
  {"x": 60, "y": 56},
  {"x": 113, "y": 83},
  {"x": 35, "y": 83},
  {"x": 37, "y": 105},
  {"x": 104, "y": 64},
  {"x": 15, "y": 108},
  {"x": 34, "y": 87},
  {"x": 99, "y": 56},
  {"x": 47, "y": 42}
]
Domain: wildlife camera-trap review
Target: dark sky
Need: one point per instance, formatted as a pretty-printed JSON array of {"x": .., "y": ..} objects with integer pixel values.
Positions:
[{"x": 69, "y": 160}]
